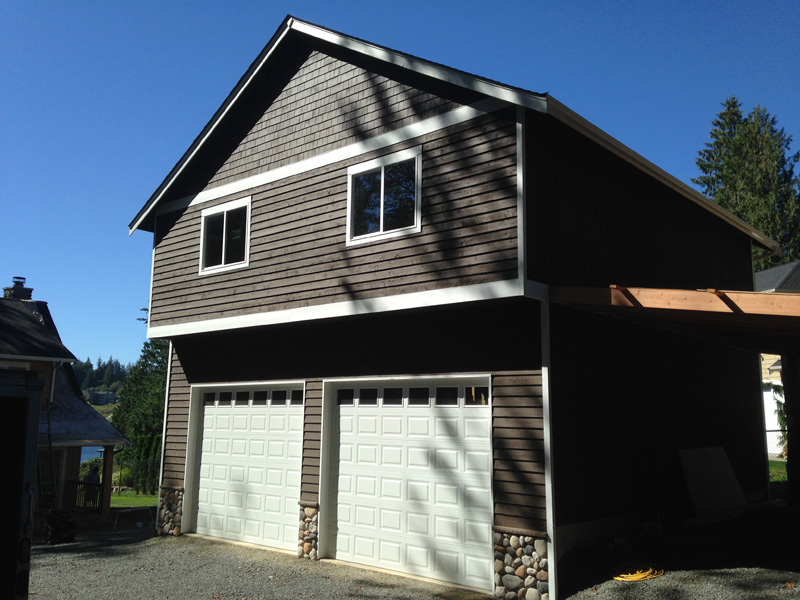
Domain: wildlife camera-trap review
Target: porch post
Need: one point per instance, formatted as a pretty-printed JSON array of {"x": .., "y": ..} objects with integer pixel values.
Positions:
[
  {"x": 108, "y": 474},
  {"x": 790, "y": 374}
]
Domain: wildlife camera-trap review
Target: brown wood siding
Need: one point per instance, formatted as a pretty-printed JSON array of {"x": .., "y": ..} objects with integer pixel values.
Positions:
[
  {"x": 312, "y": 442},
  {"x": 328, "y": 104},
  {"x": 518, "y": 445},
  {"x": 596, "y": 220},
  {"x": 177, "y": 422},
  {"x": 298, "y": 255}
]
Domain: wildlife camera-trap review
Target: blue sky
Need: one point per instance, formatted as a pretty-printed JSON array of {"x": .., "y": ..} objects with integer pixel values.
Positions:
[{"x": 101, "y": 98}]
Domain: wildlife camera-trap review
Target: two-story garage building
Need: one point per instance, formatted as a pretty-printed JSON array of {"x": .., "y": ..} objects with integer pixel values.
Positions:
[{"x": 357, "y": 264}]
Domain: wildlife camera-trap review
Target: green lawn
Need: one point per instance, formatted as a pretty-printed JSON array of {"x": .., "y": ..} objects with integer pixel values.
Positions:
[
  {"x": 777, "y": 470},
  {"x": 130, "y": 499}
]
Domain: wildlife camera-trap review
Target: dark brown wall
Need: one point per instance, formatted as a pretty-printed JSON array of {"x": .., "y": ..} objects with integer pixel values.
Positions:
[
  {"x": 501, "y": 339},
  {"x": 518, "y": 440},
  {"x": 298, "y": 252},
  {"x": 626, "y": 398},
  {"x": 595, "y": 220},
  {"x": 326, "y": 105}
]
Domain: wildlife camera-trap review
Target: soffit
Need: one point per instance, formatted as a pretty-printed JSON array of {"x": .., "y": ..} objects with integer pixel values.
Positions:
[{"x": 761, "y": 322}]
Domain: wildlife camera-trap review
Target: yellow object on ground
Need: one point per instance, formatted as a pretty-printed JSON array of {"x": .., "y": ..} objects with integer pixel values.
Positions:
[{"x": 637, "y": 572}]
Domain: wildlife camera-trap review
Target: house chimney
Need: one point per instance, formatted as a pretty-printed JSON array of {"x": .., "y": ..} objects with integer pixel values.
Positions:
[{"x": 18, "y": 291}]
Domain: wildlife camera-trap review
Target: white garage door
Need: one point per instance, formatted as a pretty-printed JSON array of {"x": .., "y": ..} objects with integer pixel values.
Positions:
[
  {"x": 250, "y": 465},
  {"x": 415, "y": 478}
]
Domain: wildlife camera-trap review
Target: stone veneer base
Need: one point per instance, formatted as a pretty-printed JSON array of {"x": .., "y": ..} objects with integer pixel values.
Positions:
[
  {"x": 170, "y": 511},
  {"x": 307, "y": 539},
  {"x": 520, "y": 567}
]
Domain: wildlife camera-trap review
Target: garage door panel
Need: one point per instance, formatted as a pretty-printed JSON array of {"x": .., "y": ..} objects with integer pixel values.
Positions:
[
  {"x": 250, "y": 471},
  {"x": 414, "y": 486}
]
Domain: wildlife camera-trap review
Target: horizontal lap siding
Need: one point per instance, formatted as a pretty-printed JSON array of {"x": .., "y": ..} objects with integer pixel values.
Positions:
[
  {"x": 327, "y": 104},
  {"x": 312, "y": 442},
  {"x": 177, "y": 422},
  {"x": 518, "y": 442},
  {"x": 298, "y": 255}
]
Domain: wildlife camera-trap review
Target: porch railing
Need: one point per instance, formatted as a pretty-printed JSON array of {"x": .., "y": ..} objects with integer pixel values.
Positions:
[{"x": 84, "y": 495}]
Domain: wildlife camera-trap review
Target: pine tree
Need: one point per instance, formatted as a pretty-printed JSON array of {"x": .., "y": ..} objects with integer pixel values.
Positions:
[
  {"x": 140, "y": 412},
  {"x": 748, "y": 168}
]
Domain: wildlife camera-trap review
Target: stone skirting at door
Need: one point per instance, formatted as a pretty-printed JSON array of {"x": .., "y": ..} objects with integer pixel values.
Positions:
[{"x": 520, "y": 566}]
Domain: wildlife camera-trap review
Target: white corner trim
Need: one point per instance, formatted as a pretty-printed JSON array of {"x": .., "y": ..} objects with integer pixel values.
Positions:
[
  {"x": 453, "y": 295},
  {"x": 404, "y": 134}
]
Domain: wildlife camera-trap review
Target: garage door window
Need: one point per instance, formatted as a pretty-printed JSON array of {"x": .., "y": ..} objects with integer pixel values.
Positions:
[{"x": 254, "y": 397}]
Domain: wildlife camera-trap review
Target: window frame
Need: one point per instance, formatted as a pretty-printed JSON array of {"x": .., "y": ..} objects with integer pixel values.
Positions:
[
  {"x": 224, "y": 208},
  {"x": 381, "y": 163}
]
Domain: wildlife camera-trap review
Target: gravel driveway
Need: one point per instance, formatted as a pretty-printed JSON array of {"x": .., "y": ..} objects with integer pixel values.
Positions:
[{"x": 736, "y": 564}]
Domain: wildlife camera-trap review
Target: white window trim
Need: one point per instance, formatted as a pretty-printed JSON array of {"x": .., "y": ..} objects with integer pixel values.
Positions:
[
  {"x": 382, "y": 161},
  {"x": 213, "y": 210}
]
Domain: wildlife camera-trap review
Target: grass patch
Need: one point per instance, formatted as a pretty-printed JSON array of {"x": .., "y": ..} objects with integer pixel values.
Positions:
[
  {"x": 777, "y": 470},
  {"x": 130, "y": 499}
]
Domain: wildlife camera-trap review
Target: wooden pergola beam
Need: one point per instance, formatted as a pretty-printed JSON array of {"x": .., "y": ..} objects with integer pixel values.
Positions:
[{"x": 709, "y": 301}]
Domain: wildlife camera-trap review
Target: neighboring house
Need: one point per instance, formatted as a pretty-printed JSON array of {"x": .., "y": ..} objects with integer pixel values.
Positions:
[
  {"x": 356, "y": 264},
  {"x": 783, "y": 279},
  {"x": 29, "y": 341}
]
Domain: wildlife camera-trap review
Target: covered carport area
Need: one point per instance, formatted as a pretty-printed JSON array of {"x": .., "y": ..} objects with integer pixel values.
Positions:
[
  {"x": 746, "y": 323},
  {"x": 755, "y": 321}
]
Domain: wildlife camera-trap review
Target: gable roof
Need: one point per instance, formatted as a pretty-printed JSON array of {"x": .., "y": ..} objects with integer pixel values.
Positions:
[
  {"x": 294, "y": 30},
  {"x": 783, "y": 278},
  {"x": 71, "y": 421},
  {"x": 27, "y": 332}
]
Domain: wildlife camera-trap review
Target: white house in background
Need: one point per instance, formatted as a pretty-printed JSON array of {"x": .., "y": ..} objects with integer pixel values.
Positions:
[{"x": 784, "y": 279}]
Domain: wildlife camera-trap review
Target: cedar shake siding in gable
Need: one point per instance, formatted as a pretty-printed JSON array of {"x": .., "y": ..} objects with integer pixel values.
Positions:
[
  {"x": 298, "y": 252},
  {"x": 326, "y": 105}
]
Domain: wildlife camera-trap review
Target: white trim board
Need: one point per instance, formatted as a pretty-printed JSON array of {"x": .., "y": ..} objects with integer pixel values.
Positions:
[
  {"x": 404, "y": 134},
  {"x": 454, "y": 295}
]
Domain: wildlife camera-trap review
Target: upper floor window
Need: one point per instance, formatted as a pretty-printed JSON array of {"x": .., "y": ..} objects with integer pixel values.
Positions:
[
  {"x": 225, "y": 237},
  {"x": 384, "y": 197}
]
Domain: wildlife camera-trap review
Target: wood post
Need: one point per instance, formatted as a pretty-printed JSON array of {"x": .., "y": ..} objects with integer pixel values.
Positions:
[
  {"x": 108, "y": 474},
  {"x": 790, "y": 374}
]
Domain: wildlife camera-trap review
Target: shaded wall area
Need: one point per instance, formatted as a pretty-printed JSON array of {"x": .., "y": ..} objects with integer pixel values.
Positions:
[
  {"x": 594, "y": 220},
  {"x": 626, "y": 399}
]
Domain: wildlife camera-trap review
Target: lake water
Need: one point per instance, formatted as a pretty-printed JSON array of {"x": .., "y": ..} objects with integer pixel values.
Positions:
[{"x": 88, "y": 452}]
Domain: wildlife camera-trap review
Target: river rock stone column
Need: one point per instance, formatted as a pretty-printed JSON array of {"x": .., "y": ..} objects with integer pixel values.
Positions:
[
  {"x": 308, "y": 538},
  {"x": 170, "y": 511},
  {"x": 520, "y": 567}
]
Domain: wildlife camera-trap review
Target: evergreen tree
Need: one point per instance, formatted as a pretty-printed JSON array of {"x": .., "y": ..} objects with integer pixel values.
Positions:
[
  {"x": 139, "y": 414},
  {"x": 748, "y": 168}
]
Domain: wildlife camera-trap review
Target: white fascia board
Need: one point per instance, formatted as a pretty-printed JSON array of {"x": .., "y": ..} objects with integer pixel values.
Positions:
[
  {"x": 423, "y": 67},
  {"x": 460, "y": 115},
  {"x": 454, "y": 295},
  {"x": 594, "y": 133}
]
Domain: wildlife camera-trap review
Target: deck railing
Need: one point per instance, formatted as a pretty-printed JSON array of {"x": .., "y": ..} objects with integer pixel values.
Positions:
[{"x": 85, "y": 495}]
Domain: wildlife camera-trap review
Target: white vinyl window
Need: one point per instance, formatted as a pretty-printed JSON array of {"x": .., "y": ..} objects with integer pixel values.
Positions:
[
  {"x": 383, "y": 197},
  {"x": 225, "y": 236}
]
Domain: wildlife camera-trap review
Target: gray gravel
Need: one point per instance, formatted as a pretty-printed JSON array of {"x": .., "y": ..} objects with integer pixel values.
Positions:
[
  {"x": 134, "y": 565},
  {"x": 195, "y": 568}
]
